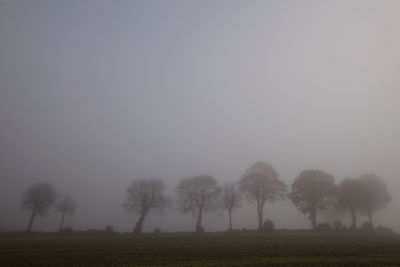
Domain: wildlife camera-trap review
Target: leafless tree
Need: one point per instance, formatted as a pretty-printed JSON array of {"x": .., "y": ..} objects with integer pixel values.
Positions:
[
  {"x": 66, "y": 206},
  {"x": 260, "y": 183},
  {"x": 313, "y": 190},
  {"x": 230, "y": 200},
  {"x": 374, "y": 195},
  {"x": 143, "y": 196},
  {"x": 197, "y": 194},
  {"x": 38, "y": 198}
]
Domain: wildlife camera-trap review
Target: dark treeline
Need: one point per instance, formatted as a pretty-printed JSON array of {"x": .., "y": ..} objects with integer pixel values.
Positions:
[{"x": 312, "y": 192}]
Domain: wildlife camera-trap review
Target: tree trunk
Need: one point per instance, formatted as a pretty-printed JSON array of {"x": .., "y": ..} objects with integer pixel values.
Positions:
[
  {"x": 31, "y": 222},
  {"x": 230, "y": 221},
  {"x": 313, "y": 218},
  {"x": 260, "y": 209},
  {"x": 354, "y": 218},
  {"x": 62, "y": 221},
  {"x": 199, "y": 228},
  {"x": 139, "y": 223},
  {"x": 370, "y": 220}
]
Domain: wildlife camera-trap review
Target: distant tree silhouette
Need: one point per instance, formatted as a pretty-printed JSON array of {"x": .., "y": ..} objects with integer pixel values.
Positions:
[
  {"x": 66, "y": 206},
  {"x": 313, "y": 190},
  {"x": 349, "y": 198},
  {"x": 143, "y": 196},
  {"x": 198, "y": 194},
  {"x": 374, "y": 195},
  {"x": 230, "y": 200},
  {"x": 260, "y": 183},
  {"x": 38, "y": 198}
]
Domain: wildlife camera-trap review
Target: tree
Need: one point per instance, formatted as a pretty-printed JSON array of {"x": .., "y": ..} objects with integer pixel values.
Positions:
[
  {"x": 67, "y": 206},
  {"x": 38, "y": 198},
  {"x": 197, "y": 194},
  {"x": 374, "y": 195},
  {"x": 143, "y": 196},
  {"x": 349, "y": 198},
  {"x": 260, "y": 183},
  {"x": 313, "y": 190},
  {"x": 230, "y": 200}
]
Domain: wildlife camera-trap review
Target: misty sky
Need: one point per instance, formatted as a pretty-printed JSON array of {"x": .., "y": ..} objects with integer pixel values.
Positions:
[{"x": 94, "y": 94}]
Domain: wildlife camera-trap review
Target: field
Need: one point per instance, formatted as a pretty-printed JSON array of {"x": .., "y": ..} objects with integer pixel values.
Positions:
[{"x": 203, "y": 250}]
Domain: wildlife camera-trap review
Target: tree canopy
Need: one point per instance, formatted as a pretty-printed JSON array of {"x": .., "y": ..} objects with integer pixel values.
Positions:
[
  {"x": 143, "y": 196},
  {"x": 313, "y": 190},
  {"x": 197, "y": 194},
  {"x": 260, "y": 183}
]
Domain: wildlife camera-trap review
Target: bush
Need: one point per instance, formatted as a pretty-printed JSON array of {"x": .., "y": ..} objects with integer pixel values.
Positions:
[
  {"x": 67, "y": 229},
  {"x": 157, "y": 230},
  {"x": 384, "y": 230},
  {"x": 367, "y": 227},
  {"x": 109, "y": 229},
  {"x": 324, "y": 227},
  {"x": 199, "y": 229},
  {"x": 338, "y": 226},
  {"x": 268, "y": 226}
]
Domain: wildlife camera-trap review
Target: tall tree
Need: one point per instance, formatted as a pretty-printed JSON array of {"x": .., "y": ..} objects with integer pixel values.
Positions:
[
  {"x": 230, "y": 200},
  {"x": 143, "y": 196},
  {"x": 349, "y": 198},
  {"x": 66, "y": 206},
  {"x": 38, "y": 198},
  {"x": 313, "y": 190},
  {"x": 374, "y": 195},
  {"x": 260, "y": 183},
  {"x": 198, "y": 194}
]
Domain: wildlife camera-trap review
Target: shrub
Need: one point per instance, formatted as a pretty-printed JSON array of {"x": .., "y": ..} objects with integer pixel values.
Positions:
[
  {"x": 384, "y": 230},
  {"x": 268, "y": 226},
  {"x": 157, "y": 230},
  {"x": 67, "y": 229},
  {"x": 367, "y": 227},
  {"x": 324, "y": 227},
  {"x": 109, "y": 229},
  {"x": 338, "y": 226}
]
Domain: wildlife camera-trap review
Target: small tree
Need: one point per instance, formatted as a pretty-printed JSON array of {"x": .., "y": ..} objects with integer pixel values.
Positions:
[
  {"x": 230, "y": 200},
  {"x": 374, "y": 195},
  {"x": 67, "y": 206},
  {"x": 313, "y": 190},
  {"x": 143, "y": 196},
  {"x": 197, "y": 194},
  {"x": 260, "y": 183},
  {"x": 38, "y": 198}
]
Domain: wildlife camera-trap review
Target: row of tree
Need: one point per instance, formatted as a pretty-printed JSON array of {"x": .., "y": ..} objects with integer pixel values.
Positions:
[
  {"x": 40, "y": 197},
  {"x": 312, "y": 192}
]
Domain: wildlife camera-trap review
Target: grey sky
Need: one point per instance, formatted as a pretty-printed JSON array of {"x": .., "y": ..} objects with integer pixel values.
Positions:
[{"x": 96, "y": 93}]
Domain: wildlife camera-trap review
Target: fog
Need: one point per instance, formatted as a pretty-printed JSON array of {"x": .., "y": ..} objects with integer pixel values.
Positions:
[{"x": 95, "y": 94}]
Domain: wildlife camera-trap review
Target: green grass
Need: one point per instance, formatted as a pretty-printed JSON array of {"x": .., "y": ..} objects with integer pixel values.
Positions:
[{"x": 205, "y": 250}]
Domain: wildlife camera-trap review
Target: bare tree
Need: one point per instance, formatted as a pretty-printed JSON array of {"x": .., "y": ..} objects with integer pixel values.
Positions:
[
  {"x": 260, "y": 183},
  {"x": 230, "y": 200},
  {"x": 349, "y": 195},
  {"x": 38, "y": 198},
  {"x": 143, "y": 196},
  {"x": 374, "y": 195},
  {"x": 197, "y": 194},
  {"x": 66, "y": 206},
  {"x": 313, "y": 190}
]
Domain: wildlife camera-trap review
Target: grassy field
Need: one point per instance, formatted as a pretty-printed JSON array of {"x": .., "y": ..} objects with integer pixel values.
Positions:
[{"x": 205, "y": 250}]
